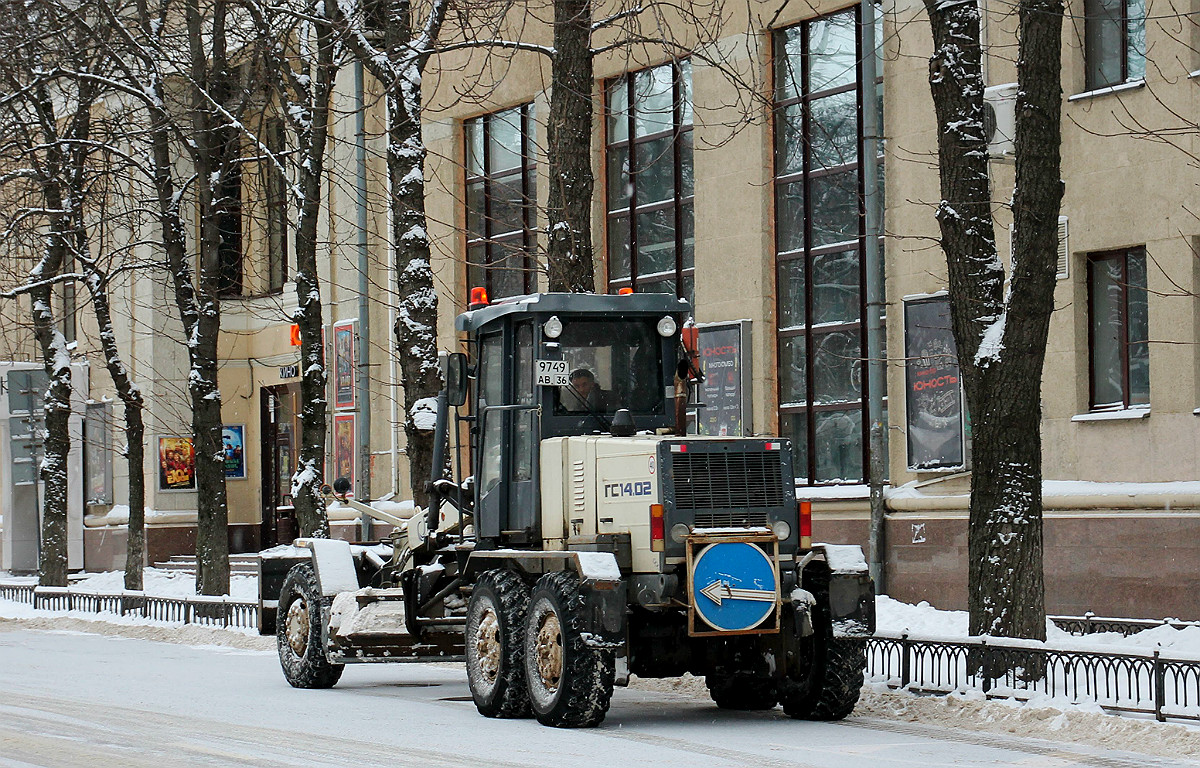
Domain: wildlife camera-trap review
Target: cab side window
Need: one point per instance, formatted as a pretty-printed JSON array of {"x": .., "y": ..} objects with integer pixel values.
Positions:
[{"x": 491, "y": 393}]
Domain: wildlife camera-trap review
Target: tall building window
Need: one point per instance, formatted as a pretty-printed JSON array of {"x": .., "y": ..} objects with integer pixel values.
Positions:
[
  {"x": 651, "y": 231},
  {"x": 1114, "y": 42},
  {"x": 229, "y": 229},
  {"x": 277, "y": 202},
  {"x": 819, "y": 244},
  {"x": 501, "y": 202},
  {"x": 1119, "y": 330}
]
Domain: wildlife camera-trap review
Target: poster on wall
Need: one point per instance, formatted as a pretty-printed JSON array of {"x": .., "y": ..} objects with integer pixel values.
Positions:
[
  {"x": 343, "y": 447},
  {"x": 97, "y": 453},
  {"x": 233, "y": 447},
  {"x": 343, "y": 364},
  {"x": 933, "y": 392},
  {"x": 725, "y": 361},
  {"x": 176, "y": 464}
]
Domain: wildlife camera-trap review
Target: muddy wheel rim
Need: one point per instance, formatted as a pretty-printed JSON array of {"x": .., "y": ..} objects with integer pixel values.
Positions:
[
  {"x": 487, "y": 644},
  {"x": 298, "y": 626},
  {"x": 549, "y": 650}
]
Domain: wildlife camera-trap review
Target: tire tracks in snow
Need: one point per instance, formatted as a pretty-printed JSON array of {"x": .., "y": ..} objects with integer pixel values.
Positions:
[
  {"x": 38, "y": 731},
  {"x": 1079, "y": 754}
]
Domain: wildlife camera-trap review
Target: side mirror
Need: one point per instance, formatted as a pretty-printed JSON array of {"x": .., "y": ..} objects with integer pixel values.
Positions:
[{"x": 456, "y": 379}]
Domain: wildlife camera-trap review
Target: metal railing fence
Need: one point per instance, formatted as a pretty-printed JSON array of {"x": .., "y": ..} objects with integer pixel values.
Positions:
[
  {"x": 195, "y": 609},
  {"x": 1089, "y": 623},
  {"x": 1126, "y": 681}
]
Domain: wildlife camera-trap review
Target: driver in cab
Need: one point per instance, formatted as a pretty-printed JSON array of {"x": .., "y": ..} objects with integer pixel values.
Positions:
[{"x": 585, "y": 393}]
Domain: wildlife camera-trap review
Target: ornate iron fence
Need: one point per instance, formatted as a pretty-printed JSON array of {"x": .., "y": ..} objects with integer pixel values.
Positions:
[
  {"x": 1090, "y": 623},
  {"x": 1119, "y": 682},
  {"x": 198, "y": 609}
]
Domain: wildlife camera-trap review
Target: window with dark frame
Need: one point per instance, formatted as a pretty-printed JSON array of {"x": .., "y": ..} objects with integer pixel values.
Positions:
[
  {"x": 277, "y": 201},
  {"x": 1114, "y": 42},
  {"x": 650, "y": 182},
  {"x": 501, "y": 202},
  {"x": 820, "y": 289},
  {"x": 1118, "y": 330},
  {"x": 229, "y": 230}
]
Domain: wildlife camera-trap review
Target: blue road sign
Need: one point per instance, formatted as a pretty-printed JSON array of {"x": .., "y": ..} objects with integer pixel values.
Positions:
[{"x": 733, "y": 585}]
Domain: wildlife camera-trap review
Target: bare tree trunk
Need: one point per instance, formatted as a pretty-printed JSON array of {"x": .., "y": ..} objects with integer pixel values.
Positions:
[
  {"x": 52, "y": 562},
  {"x": 63, "y": 212},
  {"x": 1001, "y": 338},
  {"x": 135, "y": 429},
  {"x": 416, "y": 328},
  {"x": 400, "y": 66},
  {"x": 313, "y": 133},
  {"x": 212, "y": 158},
  {"x": 569, "y": 150}
]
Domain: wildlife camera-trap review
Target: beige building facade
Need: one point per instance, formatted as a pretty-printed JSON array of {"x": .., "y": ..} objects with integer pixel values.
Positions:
[{"x": 733, "y": 177}]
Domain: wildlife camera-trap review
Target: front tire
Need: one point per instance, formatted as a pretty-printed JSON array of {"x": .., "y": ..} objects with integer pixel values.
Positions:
[
  {"x": 495, "y": 647},
  {"x": 570, "y": 683},
  {"x": 298, "y": 632}
]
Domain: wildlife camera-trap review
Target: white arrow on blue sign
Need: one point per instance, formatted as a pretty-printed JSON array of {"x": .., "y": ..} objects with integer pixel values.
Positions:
[{"x": 734, "y": 585}]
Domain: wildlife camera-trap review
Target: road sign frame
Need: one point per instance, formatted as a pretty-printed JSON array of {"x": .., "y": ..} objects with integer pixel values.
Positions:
[{"x": 697, "y": 626}]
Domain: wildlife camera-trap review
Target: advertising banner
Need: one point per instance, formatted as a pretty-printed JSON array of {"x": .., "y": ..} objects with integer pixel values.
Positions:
[
  {"x": 933, "y": 392},
  {"x": 343, "y": 364},
  {"x": 233, "y": 445},
  {"x": 97, "y": 454},
  {"x": 343, "y": 447},
  {"x": 725, "y": 362}
]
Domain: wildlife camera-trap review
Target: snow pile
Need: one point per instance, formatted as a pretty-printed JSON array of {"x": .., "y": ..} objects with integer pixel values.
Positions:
[
  {"x": 923, "y": 621},
  {"x": 158, "y": 582},
  {"x": 1059, "y": 721},
  {"x": 133, "y": 627},
  {"x": 895, "y": 617}
]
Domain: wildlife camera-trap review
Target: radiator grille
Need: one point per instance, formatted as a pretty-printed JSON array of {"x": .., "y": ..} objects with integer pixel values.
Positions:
[
  {"x": 733, "y": 518},
  {"x": 728, "y": 480}
]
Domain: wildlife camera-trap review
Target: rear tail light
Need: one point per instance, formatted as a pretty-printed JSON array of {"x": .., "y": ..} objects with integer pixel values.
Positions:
[
  {"x": 806, "y": 525},
  {"x": 657, "y": 532}
]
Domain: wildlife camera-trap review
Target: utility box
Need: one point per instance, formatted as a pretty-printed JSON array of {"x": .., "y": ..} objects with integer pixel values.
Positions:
[{"x": 22, "y": 387}]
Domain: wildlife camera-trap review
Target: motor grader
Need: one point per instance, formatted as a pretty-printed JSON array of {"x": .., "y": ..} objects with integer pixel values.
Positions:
[{"x": 591, "y": 539}]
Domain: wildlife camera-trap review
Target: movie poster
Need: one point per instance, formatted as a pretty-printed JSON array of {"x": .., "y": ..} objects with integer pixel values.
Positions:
[
  {"x": 343, "y": 364},
  {"x": 933, "y": 400},
  {"x": 176, "y": 464},
  {"x": 343, "y": 447},
  {"x": 233, "y": 447}
]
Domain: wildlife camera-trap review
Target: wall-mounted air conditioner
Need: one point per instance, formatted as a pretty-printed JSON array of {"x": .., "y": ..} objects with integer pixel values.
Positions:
[{"x": 1000, "y": 120}]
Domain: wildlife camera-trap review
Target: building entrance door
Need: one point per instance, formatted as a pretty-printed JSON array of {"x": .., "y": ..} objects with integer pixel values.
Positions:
[{"x": 279, "y": 448}]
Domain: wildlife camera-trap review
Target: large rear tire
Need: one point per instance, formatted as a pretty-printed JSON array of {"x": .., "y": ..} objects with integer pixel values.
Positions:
[
  {"x": 742, "y": 692},
  {"x": 298, "y": 632},
  {"x": 833, "y": 686},
  {"x": 495, "y": 647},
  {"x": 570, "y": 683}
]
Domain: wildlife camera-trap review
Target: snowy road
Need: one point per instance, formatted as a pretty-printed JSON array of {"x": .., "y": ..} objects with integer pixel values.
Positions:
[{"x": 72, "y": 699}]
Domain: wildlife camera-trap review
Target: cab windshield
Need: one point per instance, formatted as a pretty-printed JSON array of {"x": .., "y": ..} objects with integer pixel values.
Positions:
[{"x": 613, "y": 364}]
